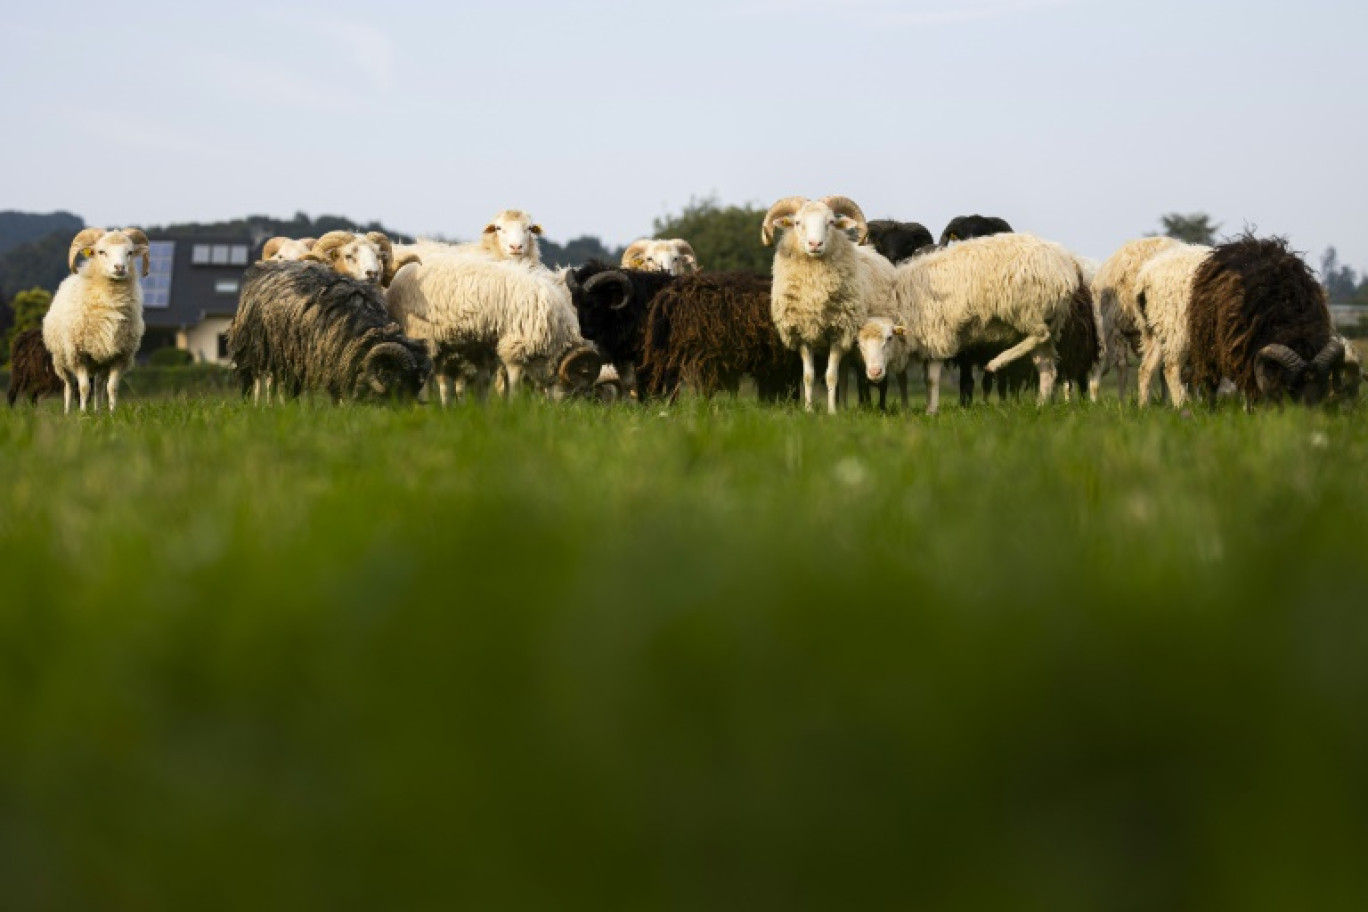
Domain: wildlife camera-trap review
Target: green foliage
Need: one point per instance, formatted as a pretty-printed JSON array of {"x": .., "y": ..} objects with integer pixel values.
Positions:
[
  {"x": 705, "y": 657},
  {"x": 36, "y": 264},
  {"x": 27, "y": 310},
  {"x": 257, "y": 228},
  {"x": 724, "y": 237},
  {"x": 577, "y": 251},
  {"x": 1192, "y": 229},
  {"x": 25, "y": 227},
  {"x": 168, "y": 356}
]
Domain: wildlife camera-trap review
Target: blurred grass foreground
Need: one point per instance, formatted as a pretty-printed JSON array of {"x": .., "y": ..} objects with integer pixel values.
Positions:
[{"x": 711, "y": 657}]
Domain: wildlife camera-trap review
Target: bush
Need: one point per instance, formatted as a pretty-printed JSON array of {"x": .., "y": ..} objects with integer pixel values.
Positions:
[{"x": 170, "y": 357}]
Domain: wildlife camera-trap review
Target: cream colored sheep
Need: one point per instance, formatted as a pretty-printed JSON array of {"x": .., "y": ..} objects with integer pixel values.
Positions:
[
  {"x": 1163, "y": 291},
  {"x": 1113, "y": 289},
  {"x": 675, "y": 256},
  {"x": 95, "y": 324}
]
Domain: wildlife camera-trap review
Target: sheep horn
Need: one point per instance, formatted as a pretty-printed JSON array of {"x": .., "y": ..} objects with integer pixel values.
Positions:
[
  {"x": 1330, "y": 357},
  {"x": 400, "y": 262},
  {"x": 84, "y": 239},
  {"x": 1289, "y": 360},
  {"x": 309, "y": 242},
  {"x": 614, "y": 277},
  {"x": 140, "y": 238},
  {"x": 844, "y": 205},
  {"x": 331, "y": 241},
  {"x": 580, "y": 367},
  {"x": 785, "y": 207},
  {"x": 636, "y": 250}
]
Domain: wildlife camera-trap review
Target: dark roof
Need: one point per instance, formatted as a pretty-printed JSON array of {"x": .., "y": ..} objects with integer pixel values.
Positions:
[{"x": 193, "y": 278}]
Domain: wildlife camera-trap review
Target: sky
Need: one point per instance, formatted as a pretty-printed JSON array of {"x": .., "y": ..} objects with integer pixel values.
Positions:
[{"x": 1079, "y": 120}]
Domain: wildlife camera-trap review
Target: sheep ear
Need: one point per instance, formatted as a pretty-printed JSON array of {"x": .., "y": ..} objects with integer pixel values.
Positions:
[
  {"x": 489, "y": 229},
  {"x": 536, "y": 229},
  {"x": 900, "y": 330},
  {"x": 637, "y": 262}
]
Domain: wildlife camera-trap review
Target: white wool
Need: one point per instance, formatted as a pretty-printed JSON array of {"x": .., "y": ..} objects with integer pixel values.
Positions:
[{"x": 1164, "y": 285}]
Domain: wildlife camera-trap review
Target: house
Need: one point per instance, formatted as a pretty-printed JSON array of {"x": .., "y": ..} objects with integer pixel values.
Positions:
[{"x": 191, "y": 293}]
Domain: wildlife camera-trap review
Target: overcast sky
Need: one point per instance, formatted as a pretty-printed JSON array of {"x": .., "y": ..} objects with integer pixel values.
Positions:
[{"x": 1079, "y": 120}]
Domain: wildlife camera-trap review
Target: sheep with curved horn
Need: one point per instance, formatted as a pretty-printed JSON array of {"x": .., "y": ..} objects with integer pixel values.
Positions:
[
  {"x": 825, "y": 285},
  {"x": 95, "y": 324}
]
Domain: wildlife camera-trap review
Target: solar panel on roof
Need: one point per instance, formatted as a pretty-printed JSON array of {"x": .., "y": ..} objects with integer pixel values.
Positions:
[{"x": 157, "y": 286}]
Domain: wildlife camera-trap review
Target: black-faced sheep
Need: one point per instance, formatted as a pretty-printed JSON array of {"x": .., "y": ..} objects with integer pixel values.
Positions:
[
  {"x": 31, "y": 371},
  {"x": 1258, "y": 316},
  {"x": 612, "y": 305},
  {"x": 310, "y": 328},
  {"x": 898, "y": 241},
  {"x": 968, "y": 227}
]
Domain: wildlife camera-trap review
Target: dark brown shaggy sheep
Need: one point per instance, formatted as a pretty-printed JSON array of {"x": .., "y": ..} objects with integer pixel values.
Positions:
[
  {"x": 31, "y": 371},
  {"x": 709, "y": 330},
  {"x": 1258, "y": 316},
  {"x": 307, "y": 327}
]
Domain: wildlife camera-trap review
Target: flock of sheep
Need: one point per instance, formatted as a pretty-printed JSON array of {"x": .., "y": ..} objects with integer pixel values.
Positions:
[{"x": 355, "y": 316}]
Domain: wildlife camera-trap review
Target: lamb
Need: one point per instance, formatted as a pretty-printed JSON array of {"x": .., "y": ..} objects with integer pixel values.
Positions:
[
  {"x": 1113, "y": 288},
  {"x": 281, "y": 249},
  {"x": 1163, "y": 290},
  {"x": 1011, "y": 289},
  {"x": 898, "y": 241},
  {"x": 366, "y": 257},
  {"x": 95, "y": 323},
  {"x": 825, "y": 286},
  {"x": 674, "y": 256},
  {"x": 1258, "y": 316},
  {"x": 310, "y": 328},
  {"x": 31, "y": 370},
  {"x": 474, "y": 313}
]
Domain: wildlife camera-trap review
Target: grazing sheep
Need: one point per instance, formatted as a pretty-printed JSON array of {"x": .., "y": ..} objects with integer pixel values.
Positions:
[
  {"x": 1009, "y": 289},
  {"x": 475, "y": 312},
  {"x": 311, "y": 328},
  {"x": 31, "y": 370},
  {"x": 711, "y": 330},
  {"x": 825, "y": 286},
  {"x": 885, "y": 352},
  {"x": 281, "y": 249},
  {"x": 898, "y": 241},
  {"x": 366, "y": 257},
  {"x": 968, "y": 227},
  {"x": 1258, "y": 316},
  {"x": 1113, "y": 288},
  {"x": 95, "y": 323},
  {"x": 674, "y": 256},
  {"x": 1163, "y": 291}
]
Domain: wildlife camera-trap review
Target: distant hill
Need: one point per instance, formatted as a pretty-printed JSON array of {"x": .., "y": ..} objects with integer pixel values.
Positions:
[
  {"x": 21, "y": 227},
  {"x": 258, "y": 228}
]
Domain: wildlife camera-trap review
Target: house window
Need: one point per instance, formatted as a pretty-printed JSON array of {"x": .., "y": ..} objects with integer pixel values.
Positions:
[
  {"x": 219, "y": 255},
  {"x": 226, "y": 286},
  {"x": 237, "y": 256},
  {"x": 199, "y": 255},
  {"x": 223, "y": 346}
]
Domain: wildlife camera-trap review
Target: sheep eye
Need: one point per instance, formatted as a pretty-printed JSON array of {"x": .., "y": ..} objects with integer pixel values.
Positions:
[{"x": 102, "y": 253}]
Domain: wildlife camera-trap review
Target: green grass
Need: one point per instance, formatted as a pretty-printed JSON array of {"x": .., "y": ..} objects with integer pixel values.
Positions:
[{"x": 711, "y": 657}]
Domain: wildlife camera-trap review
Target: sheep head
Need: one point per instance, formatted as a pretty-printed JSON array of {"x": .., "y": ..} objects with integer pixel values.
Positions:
[
  {"x": 392, "y": 370},
  {"x": 675, "y": 256},
  {"x": 114, "y": 252},
  {"x": 1280, "y": 371},
  {"x": 815, "y": 223},
  {"x": 353, "y": 255},
  {"x": 281, "y": 249},
  {"x": 513, "y": 235},
  {"x": 877, "y": 341},
  {"x": 578, "y": 370}
]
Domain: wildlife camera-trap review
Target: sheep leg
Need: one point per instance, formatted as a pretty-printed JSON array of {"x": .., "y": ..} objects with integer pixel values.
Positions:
[
  {"x": 1153, "y": 354},
  {"x": 1095, "y": 381},
  {"x": 809, "y": 376},
  {"x": 629, "y": 379},
  {"x": 443, "y": 389},
  {"x": 66, "y": 394},
  {"x": 966, "y": 382},
  {"x": 833, "y": 375},
  {"x": 514, "y": 377},
  {"x": 1044, "y": 360},
  {"x": 1025, "y": 347},
  {"x": 112, "y": 388},
  {"x": 83, "y": 384},
  {"x": 1122, "y": 375},
  {"x": 933, "y": 375},
  {"x": 1173, "y": 376}
]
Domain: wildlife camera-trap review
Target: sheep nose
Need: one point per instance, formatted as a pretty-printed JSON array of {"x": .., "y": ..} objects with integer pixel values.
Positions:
[
  {"x": 515, "y": 248},
  {"x": 371, "y": 273},
  {"x": 875, "y": 373},
  {"x": 120, "y": 269}
]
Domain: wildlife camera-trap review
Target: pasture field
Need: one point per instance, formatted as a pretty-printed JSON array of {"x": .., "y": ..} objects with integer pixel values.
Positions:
[{"x": 716, "y": 656}]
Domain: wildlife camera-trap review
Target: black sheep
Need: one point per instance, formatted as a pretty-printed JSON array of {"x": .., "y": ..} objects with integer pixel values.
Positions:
[
  {"x": 31, "y": 370},
  {"x": 308, "y": 328},
  {"x": 612, "y": 306},
  {"x": 1259, "y": 317},
  {"x": 899, "y": 241},
  {"x": 968, "y": 227}
]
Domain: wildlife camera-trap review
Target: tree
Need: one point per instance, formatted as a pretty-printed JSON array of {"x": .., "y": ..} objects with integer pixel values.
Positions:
[
  {"x": 29, "y": 308},
  {"x": 1195, "y": 228},
  {"x": 725, "y": 238},
  {"x": 1341, "y": 282}
]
